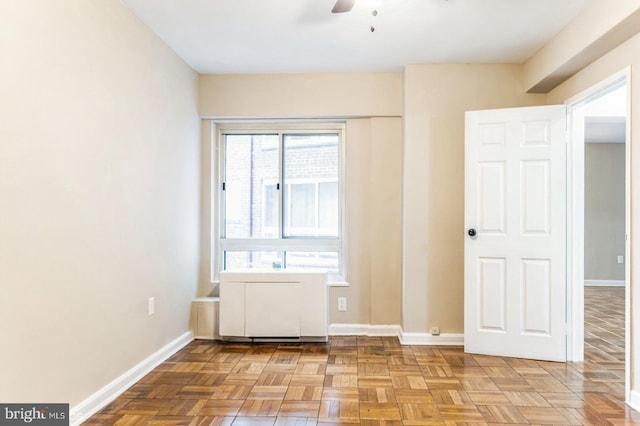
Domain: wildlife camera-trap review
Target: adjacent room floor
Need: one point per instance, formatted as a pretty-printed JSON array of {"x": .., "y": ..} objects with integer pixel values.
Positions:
[
  {"x": 375, "y": 381},
  {"x": 604, "y": 327}
]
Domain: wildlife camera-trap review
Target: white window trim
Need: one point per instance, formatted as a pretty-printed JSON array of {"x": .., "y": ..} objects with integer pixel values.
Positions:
[{"x": 219, "y": 245}]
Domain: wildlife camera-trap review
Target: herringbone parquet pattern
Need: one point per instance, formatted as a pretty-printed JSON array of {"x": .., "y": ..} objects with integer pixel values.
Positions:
[{"x": 376, "y": 381}]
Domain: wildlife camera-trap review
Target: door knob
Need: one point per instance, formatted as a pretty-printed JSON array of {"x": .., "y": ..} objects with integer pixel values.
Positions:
[{"x": 471, "y": 232}]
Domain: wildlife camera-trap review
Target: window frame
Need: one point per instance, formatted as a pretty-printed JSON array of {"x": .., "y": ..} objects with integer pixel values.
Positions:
[{"x": 279, "y": 244}]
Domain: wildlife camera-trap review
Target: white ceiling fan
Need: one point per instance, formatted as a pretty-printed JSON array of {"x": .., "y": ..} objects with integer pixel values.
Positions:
[{"x": 343, "y": 6}]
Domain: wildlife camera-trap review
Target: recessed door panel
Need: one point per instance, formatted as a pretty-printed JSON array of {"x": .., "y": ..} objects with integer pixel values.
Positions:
[
  {"x": 491, "y": 191},
  {"x": 492, "y": 291},
  {"x": 535, "y": 133},
  {"x": 492, "y": 134},
  {"x": 536, "y": 296},
  {"x": 536, "y": 203}
]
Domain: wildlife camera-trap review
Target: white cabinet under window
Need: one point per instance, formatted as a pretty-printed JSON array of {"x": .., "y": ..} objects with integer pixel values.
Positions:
[{"x": 273, "y": 305}]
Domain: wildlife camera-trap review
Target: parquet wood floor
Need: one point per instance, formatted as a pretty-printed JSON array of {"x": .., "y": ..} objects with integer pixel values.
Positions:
[{"x": 376, "y": 381}]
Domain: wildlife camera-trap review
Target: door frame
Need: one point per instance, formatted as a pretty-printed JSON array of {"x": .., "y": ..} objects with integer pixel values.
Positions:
[{"x": 575, "y": 221}]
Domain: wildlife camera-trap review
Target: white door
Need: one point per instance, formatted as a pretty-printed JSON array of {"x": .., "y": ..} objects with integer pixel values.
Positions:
[{"x": 515, "y": 218}]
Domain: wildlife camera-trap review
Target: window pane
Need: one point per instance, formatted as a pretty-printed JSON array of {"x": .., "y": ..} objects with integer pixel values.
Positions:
[
  {"x": 270, "y": 211},
  {"x": 302, "y": 212},
  {"x": 251, "y": 165},
  {"x": 313, "y": 260},
  {"x": 250, "y": 260},
  {"x": 310, "y": 160},
  {"x": 327, "y": 207}
]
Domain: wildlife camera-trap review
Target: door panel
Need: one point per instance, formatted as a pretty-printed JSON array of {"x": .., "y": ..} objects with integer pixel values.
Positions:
[
  {"x": 492, "y": 188},
  {"x": 492, "y": 294},
  {"x": 515, "y": 262},
  {"x": 536, "y": 306},
  {"x": 535, "y": 197}
]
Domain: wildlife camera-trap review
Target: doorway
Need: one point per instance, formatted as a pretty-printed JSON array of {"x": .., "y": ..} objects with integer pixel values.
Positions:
[
  {"x": 490, "y": 186},
  {"x": 598, "y": 212}
]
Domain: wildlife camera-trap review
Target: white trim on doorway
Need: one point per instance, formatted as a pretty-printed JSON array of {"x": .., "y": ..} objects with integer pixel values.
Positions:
[{"x": 575, "y": 221}]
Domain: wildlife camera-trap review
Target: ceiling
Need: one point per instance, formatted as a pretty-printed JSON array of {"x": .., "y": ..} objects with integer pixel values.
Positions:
[
  {"x": 287, "y": 36},
  {"x": 605, "y": 130},
  {"x": 605, "y": 116}
]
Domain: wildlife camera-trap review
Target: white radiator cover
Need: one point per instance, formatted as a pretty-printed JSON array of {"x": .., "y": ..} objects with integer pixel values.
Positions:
[{"x": 273, "y": 305}]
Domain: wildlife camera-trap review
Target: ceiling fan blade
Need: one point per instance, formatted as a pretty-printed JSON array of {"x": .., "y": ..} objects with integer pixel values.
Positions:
[{"x": 343, "y": 6}]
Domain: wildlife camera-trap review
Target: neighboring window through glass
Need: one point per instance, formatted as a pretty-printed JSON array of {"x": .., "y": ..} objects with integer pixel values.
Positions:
[
  {"x": 328, "y": 218},
  {"x": 281, "y": 201}
]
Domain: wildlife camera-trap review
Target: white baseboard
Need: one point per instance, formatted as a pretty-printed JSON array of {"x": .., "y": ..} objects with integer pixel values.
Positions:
[
  {"x": 634, "y": 400},
  {"x": 385, "y": 330},
  {"x": 364, "y": 330},
  {"x": 444, "y": 339},
  {"x": 104, "y": 396},
  {"x": 604, "y": 283}
]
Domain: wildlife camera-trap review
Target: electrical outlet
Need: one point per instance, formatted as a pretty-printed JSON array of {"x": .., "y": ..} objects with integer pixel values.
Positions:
[
  {"x": 342, "y": 304},
  {"x": 435, "y": 331},
  {"x": 620, "y": 259},
  {"x": 151, "y": 306}
]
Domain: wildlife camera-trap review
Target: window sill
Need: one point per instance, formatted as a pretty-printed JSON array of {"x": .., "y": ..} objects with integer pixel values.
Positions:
[{"x": 329, "y": 284}]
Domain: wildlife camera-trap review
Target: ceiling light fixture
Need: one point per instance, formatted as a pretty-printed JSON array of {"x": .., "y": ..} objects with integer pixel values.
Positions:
[
  {"x": 374, "y": 12},
  {"x": 343, "y": 6}
]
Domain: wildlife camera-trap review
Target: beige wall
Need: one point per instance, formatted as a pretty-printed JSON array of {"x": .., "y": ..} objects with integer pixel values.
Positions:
[
  {"x": 604, "y": 206},
  {"x": 373, "y": 171},
  {"x": 99, "y": 178},
  {"x": 374, "y": 191},
  {"x": 386, "y": 221},
  {"x": 436, "y": 98},
  {"x": 301, "y": 95},
  {"x": 600, "y": 27},
  {"x": 628, "y": 54}
]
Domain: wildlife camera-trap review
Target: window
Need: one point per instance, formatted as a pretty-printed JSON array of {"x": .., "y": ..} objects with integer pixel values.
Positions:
[{"x": 281, "y": 202}]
